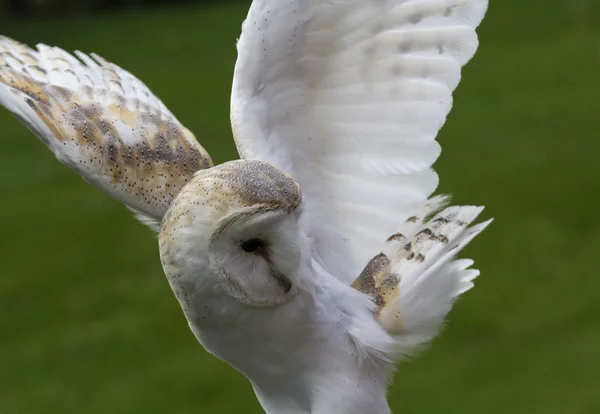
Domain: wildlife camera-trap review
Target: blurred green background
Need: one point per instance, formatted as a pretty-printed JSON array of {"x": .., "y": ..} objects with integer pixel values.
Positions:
[{"x": 88, "y": 323}]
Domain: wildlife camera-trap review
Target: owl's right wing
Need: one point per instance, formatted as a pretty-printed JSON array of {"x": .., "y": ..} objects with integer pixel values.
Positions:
[
  {"x": 348, "y": 96},
  {"x": 102, "y": 122}
]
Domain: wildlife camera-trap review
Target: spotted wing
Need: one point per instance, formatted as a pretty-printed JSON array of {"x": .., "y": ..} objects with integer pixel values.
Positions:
[
  {"x": 415, "y": 279},
  {"x": 102, "y": 122}
]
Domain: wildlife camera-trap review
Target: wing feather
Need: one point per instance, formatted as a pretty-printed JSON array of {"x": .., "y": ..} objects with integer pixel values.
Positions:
[
  {"x": 348, "y": 97},
  {"x": 102, "y": 122}
]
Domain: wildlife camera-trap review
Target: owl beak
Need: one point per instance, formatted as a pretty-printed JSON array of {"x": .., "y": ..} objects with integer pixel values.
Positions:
[{"x": 284, "y": 282}]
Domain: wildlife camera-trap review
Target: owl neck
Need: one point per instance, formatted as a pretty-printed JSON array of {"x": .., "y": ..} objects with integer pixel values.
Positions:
[
  {"x": 329, "y": 390},
  {"x": 320, "y": 354},
  {"x": 325, "y": 376}
]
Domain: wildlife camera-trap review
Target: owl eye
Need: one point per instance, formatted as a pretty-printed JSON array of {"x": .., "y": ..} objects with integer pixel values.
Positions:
[{"x": 252, "y": 245}]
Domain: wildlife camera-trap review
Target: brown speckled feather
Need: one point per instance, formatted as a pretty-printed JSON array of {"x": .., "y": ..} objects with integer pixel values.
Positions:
[
  {"x": 102, "y": 122},
  {"x": 415, "y": 279}
]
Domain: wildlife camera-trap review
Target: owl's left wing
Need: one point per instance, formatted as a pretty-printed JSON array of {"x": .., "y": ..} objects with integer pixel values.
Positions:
[{"x": 102, "y": 122}]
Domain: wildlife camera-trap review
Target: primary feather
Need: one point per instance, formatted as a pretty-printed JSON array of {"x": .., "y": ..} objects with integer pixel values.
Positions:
[
  {"x": 103, "y": 123},
  {"x": 415, "y": 280},
  {"x": 348, "y": 96}
]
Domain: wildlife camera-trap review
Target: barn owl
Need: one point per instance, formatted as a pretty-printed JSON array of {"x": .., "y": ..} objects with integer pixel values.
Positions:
[{"x": 320, "y": 258}]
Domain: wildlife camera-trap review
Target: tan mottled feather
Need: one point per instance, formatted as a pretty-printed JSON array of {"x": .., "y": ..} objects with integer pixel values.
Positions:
[
  {"x": 102, "y": 122},
  {"x": 414, "y": 280}
]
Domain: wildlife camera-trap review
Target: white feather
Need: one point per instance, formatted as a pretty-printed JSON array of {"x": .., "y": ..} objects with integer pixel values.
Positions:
[
  {"x": 348, "y": 97},
  {"x": 430, "y": 281}
]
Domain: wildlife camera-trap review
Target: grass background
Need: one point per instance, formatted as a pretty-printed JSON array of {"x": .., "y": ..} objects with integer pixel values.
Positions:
[{"x": 87, "y": 320}]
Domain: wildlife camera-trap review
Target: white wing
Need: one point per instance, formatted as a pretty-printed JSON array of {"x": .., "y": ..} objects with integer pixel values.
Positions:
[
  {"x": 348, "y": 96},
  {"x": 102, "y": 122}
]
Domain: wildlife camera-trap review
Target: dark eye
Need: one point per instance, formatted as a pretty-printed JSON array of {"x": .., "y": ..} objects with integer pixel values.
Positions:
[{"x": 252, "y": 245}]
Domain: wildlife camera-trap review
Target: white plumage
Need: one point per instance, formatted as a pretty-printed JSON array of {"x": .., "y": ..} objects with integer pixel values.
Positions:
[
  {"x": 348, "y": 97},
  {"x": 316, "y": 261}
]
